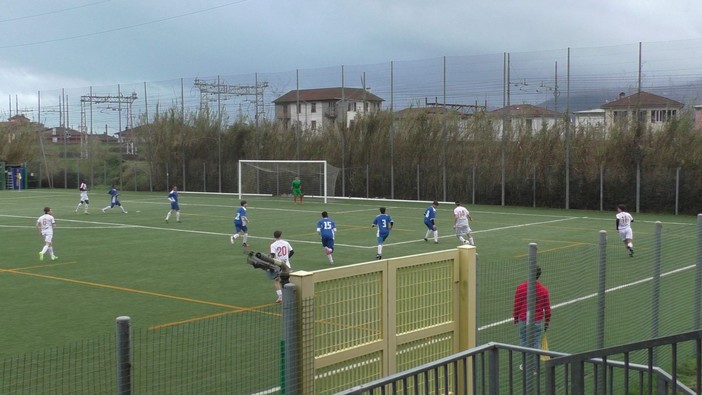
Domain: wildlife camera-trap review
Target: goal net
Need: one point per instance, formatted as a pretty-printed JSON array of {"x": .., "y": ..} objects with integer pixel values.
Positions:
[{"x": 274, "y": 177}]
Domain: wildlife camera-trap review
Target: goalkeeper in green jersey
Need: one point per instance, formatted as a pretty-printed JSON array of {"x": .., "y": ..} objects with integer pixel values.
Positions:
[{"x": 296, "y": 189}]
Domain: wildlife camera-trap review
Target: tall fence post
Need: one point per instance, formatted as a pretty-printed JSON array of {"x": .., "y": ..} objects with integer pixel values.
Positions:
[
  {"x": 473, "y": 185},
  {"x": 601, "y": 187},
  {"x": 367, "y": 180},
  {"x": 601, "y": 289},
  {"x": 655, "y": 306},
  {"x": 124, "y": 356},
  {"x": 532, "y": 359},
  {"x": 291, "y": 340},
  {"x": 677, "y": 189},
  {"x": 698, "y": 274},
  {"x": 418, "y": 184}
]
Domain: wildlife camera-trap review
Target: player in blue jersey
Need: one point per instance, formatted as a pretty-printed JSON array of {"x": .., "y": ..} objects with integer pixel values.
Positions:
[
  {"x": 429, "y": 221},
  {"x": 114, "y": 200},
  {"x": 384, "y": 224},
  {"x": 326, "y": 228},
  {"x": 241, "y": 222},
  {"x": 173, "y": 198}
]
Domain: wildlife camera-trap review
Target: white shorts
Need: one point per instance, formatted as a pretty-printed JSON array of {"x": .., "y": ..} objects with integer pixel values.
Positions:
[
  {"x": 462, "y": 229},
  {"x": 48, "y": 236},
  {"x": 626, "y": 234}
]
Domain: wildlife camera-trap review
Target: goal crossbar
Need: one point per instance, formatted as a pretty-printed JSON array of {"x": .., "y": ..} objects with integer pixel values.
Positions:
[{"x": 272, "y": 177}]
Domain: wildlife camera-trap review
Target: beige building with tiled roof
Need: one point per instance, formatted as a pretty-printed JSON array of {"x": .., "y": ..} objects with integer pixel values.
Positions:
[
  {"x": 525, "y": 118},
  {"x": 653, "y": 110},
  {"x": 315, "y": 108}
]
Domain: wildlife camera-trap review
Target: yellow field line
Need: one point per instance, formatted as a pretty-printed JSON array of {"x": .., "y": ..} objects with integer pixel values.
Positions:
[
  {"x": 237, "y": 309},
  {"x": 124, "y": 289},
  {"x": 206, "y": 317},
  {"x": 40, "y": 266},
  {"x": 558, "y": 241}
]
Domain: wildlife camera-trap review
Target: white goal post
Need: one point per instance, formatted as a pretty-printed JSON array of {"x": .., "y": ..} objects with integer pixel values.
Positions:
[{"x": 274, "y": 177}]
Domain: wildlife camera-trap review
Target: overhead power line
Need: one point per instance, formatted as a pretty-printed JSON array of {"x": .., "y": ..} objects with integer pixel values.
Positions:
[
  {"x": 121, "y": 28},
  {"x": 19, "y": 18}
]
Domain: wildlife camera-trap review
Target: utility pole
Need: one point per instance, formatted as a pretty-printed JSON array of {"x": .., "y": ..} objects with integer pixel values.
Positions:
[
  {"x": 97, "y": 99},
  {"x": 556, "y": 92},
  {"x": 219, "y": 89}
]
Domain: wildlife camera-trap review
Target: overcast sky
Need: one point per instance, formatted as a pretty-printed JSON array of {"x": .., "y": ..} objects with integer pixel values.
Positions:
[{"x": 49, "y": 44}]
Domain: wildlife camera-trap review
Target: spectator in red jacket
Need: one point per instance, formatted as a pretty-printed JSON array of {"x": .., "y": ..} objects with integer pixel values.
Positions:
[{"x": 542, "y": 317}]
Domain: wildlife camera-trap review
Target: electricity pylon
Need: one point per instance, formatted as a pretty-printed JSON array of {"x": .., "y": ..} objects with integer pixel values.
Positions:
[{"x": 119, "y": 100}]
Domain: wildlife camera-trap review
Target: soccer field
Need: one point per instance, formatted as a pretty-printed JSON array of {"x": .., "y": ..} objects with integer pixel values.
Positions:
[{"x": 165, "y": 274}]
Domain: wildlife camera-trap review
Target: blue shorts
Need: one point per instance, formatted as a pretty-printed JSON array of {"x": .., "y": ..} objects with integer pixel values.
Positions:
[
  {"x": 115, "y": 202},
  {"x": 382, "y": 237},
  {"x": 429, "y": 225},
  {"x": 174, "y": 206},
  {"x": 240, "y": 228},
  {"x": 328, "y": 242}
]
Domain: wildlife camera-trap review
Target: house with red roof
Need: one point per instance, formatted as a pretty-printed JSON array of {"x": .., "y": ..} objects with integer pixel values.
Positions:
[
  {"x": 652, "y": 110},
  {"x": 524, "y": 118},
  {"x": 313, "y": 109}
]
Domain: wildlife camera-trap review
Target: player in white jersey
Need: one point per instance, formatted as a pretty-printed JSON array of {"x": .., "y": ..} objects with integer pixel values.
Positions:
[
  {"x": 83, "y": 188},
  {"x": 624, "y": 221},
  {"x": 281, "y": 250},
  {"x": 461, "y": 223},
  {"x": 45, "y": 226}
]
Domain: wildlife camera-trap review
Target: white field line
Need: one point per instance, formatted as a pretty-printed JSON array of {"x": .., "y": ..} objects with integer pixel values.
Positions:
[
  {"x": 640, "y": 221},
  {"x": 62, "y": 220},
  {"x": 373, "y": 209},
  {"x": 70, "y": 227},
  {"x": 482, "y": 231},
  {"x": 593, "y": 295},
  {"x": 374, "y": 246},
  {"x": 108, "y": 225},
  {"x": 163, "y": 202}
]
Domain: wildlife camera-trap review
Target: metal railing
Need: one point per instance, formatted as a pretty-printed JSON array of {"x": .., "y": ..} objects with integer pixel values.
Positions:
[
  {"x": 493, "y": 368},
  {"x": 496, "y": 368},
  {"x": 606, "y": 374}
]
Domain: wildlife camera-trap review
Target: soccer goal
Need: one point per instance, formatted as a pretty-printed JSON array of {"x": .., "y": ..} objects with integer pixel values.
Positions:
[{"x": 274, "y": 177}]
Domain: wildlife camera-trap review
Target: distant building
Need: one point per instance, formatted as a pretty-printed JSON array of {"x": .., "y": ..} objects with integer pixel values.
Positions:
[
  {"x": 652, "y": 110},
  {"x": 61, "y": 135},
  {"x": 438, "y": 113},
  {"x": 594, "y": 118},
  {"x": 525, "y": 118},
  {"x": 129, "y": 140},
  {"x": 316, "y": 108},
  {"x": 18, "y": 119},
  {"x": 15, "y": 124},
  {"x": 103, "y": 138}
]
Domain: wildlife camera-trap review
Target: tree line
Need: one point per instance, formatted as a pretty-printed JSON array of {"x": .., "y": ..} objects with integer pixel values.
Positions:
[{"x": 420, "y": 156}]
